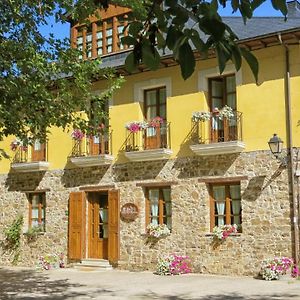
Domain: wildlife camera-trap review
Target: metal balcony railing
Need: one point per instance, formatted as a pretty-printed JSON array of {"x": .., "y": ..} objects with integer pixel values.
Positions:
[
  {"x": 157, "y": 137},
  {"x": 92, "y": 145},
  {"x": 218, "y": 130},
  {"x": 32, "y": 153}
]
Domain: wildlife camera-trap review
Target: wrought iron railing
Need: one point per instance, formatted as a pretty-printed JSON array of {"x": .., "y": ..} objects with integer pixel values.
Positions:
[
  {"x": 218, "y": 130},
  {"x": 30, "y": 153},
  {"x": 92, "y": 145},
  {"x": 149, "y": 138}
]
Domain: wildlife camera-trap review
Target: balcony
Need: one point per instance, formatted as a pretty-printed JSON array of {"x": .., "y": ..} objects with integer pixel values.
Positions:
[
  {"x": 92, "y": 151},
  {"x": 218, "y": 136},
  {"x": 30, "y": 158},
  {"x": 148, "y": 144}
]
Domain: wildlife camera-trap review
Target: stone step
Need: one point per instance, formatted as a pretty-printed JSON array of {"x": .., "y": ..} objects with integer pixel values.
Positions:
[{"x": 93, "y": 264}]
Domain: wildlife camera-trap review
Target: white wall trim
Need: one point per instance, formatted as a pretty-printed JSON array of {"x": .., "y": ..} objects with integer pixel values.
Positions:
[
  {"x": 139, "y": 87},
  {"x": 205, "y": 74}
]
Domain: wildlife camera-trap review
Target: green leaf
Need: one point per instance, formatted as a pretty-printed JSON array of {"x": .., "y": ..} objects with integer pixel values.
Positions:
[
  {"x": 128, "y": 40},
  {"x": 134, "y": 28},
  {"x": 173, "y": 35},
  {"x": 236, "y": 57},
  {"x": 280, "y": 5},
  {"x": 186, "y": 61},
  {"x": 150, "y": 57},
  {"x": 130, "y": 63},
  {"x": 252, "y": 62},
  {"x": 222, "y": 58},
  {"x": 197, "y": 41}
]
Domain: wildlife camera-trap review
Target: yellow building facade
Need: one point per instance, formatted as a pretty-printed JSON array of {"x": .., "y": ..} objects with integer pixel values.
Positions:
[{"x": 196, "y": 157}]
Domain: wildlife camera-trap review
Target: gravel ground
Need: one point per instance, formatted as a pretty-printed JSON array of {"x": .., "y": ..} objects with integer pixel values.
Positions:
[{"x": 27, "y": 283}]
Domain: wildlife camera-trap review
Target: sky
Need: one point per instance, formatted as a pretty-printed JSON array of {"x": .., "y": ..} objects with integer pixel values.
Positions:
[{"x": 63, "y": 30}]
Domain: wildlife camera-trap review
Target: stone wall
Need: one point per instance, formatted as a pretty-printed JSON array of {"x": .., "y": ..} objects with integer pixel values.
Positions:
[{"x": 265, "y": 211}]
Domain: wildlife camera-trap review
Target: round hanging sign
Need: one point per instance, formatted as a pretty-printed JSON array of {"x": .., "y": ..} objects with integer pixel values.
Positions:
[{"x": 129, "y": 212}]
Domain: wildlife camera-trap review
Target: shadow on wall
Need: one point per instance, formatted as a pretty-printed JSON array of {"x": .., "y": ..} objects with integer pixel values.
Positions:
[
  {"x": 138, "y": 171},
  {"x": 203, "y": 166},
  {"x": 254, "y": 188},
  {"x": 84, "y": 176},
  {"x": 28, "y": 181}
]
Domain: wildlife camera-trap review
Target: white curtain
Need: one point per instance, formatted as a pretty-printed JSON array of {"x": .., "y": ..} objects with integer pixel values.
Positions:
[
  {"x": 214, "y": 121},
  {"x": 103, "y": 219},
  {"x": 153, "y": 197},
  {"x": 151, "y": 131},
  {"x": 219, "y": 196},
  {"x": 235, "y": 194},
  {"x": 168, "y": 206}
]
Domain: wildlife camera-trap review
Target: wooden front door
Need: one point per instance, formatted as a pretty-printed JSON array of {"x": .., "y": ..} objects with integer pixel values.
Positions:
[
  {"x": 76, "y": 243},
  {"x": 98, "y": 225}
]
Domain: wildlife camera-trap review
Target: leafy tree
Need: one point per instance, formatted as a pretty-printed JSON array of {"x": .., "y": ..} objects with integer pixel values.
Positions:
[
  {"x": 180, "y": 25},
  {"x": 43, "y": 82}
]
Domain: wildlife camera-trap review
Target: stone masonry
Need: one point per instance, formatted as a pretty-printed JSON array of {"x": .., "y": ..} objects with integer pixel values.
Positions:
[{"x": 266, "y": 211}]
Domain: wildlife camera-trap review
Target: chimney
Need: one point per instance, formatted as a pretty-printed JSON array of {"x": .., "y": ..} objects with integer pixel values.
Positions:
[{"x": 293, "y": 9}]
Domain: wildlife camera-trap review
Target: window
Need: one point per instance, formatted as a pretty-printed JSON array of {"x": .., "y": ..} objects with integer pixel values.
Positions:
[
  {"x": 155, "y": 103},
  {"x": 223, "y": 92},
  {"x": 159, "y": 206},
  {"x": 89, "y": 44},
  {"x": 37, "y": 209},
  {"x": 225, "y": 204}
]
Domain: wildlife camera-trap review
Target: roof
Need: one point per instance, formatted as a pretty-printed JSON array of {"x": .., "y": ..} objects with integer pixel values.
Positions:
[{"x": 256, "y": 33}]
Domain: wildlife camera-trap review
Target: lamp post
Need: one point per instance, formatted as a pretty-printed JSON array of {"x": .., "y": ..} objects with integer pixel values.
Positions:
[{"x": 275, "y": 144}]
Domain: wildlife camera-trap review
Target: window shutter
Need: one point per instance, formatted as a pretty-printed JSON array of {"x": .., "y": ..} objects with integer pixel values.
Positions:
[
  {"x": 77, "y": 234},
  {"x": 113, "y": 226}
]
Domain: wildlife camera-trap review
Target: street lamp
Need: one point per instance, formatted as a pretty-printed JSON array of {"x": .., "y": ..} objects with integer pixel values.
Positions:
[{"x": 275, "y": 144}]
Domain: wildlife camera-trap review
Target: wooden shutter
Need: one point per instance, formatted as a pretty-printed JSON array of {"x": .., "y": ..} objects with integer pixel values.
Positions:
[
  {"x": 76, "y": 241},
  {"x": 113, "y": 226}
]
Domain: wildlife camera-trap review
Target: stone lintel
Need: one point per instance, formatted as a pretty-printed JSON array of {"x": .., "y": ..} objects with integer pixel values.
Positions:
[
  {"x": 222, "y": 179},
  {"x": 94, "y": 188},
  {"x": 155, "y": 183},
  {"x": 37, "y": 191}
]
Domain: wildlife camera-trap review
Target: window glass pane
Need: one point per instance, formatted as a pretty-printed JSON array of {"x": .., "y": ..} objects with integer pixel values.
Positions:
[
  {"x": 37, "y": 145},
  {"x": 89, "y": 37},
  {"x": 167, "y": 207},
  {"x": 162, "y": 112},
  {"x": 230, "y": 84},
  {"x": 89, "y": 53},
  {"x": 99, "y": 51},
  {"x": 219, "y": 197},
  {"x": 99, "y": 43},
  {"x": 120, "y": 29},
  {"x": 109, "y": 49},
  {"x": 217, "y": 103},
  {"x": 154, "y": 198},
  {"x": 35, "y": 213},
  {"x": 109, "y": 41},
  {"x": 231, "y": 101},
  {"x": 162, "y": 95},
  {"x": 217, "y": 88},
  {"x": 79, "y": 40},
  {"x": 34, "y": 223},
  {"x": 99, "y": 35},
  {"x": 35, "y": 200},
  {"x": 109, "y": 32},
  {"x": 151, "y": 97},
  {"x": 151, "y": 112}
]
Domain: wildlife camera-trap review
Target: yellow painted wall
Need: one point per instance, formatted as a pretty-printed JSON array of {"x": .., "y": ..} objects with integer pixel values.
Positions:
[{"x": 263, "y": 107}]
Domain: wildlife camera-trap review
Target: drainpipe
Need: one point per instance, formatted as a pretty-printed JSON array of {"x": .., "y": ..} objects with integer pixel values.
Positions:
[{"x": 290, "y": 151}]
